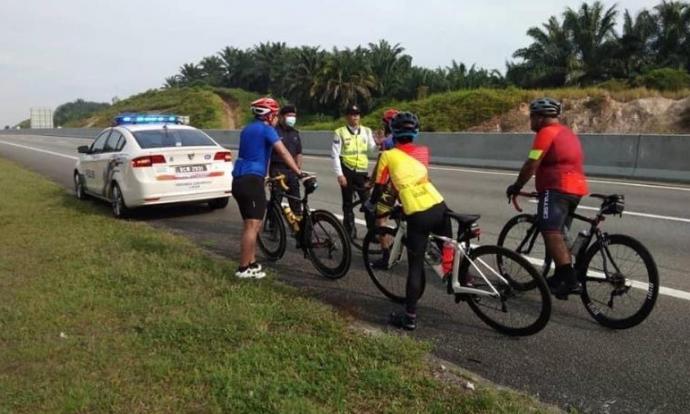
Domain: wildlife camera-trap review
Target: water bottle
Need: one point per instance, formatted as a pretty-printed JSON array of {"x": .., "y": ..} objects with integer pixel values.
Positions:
[
  {"x": 579, "y": 240},
  {"x": 291, "y": 218}
]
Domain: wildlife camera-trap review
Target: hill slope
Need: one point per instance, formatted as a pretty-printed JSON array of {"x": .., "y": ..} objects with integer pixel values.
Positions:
[{"x": 206, "y": 107}]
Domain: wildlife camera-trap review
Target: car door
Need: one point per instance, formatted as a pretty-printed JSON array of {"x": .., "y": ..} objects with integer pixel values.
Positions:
[
  {"x": 93, "y": 180},
  {"x": 111, "y": 161}
]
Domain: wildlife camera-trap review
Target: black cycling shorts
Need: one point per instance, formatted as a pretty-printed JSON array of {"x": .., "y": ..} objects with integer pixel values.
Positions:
[
  {"x": 248, "y": 191},
  {"x": 554, "y": 211}
]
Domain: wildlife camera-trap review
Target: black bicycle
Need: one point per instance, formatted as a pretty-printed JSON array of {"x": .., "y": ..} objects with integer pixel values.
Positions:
[
  {"x": 620, "y": 281},
  {"x": 318, "y": 233},
  {"x": 489, "y": 278}
]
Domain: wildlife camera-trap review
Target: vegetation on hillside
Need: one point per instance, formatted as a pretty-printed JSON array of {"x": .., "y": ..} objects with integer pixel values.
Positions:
[
  {"x": 204, "y": 105},
  {"x": 74, "y": 111},
  {"x": 583, "y": 48}
]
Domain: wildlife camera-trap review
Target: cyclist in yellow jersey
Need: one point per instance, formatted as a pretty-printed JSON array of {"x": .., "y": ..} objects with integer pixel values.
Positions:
[{"x": 406, "y": 167}]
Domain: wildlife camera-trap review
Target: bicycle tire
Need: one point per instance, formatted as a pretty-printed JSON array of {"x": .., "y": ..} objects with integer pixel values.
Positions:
[
  {"x": 536, "y": 303},
  {"x": 272, "y": 238},
  {"x": 514, "y": 233},
  {"x": 391, "y": 282},
  {"x": 590, "y": 297},
  {"x": 321, "y": 239}
]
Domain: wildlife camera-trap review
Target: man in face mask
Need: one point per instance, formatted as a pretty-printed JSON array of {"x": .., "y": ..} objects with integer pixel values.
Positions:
[{"x": 287, "y": 119}]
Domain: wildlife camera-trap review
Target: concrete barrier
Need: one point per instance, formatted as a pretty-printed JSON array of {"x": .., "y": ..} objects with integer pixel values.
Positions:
[{"x": 655, "y": 157}]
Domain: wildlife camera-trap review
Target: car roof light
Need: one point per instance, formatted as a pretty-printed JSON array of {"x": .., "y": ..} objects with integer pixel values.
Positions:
[{"x": 134, "y": 119}]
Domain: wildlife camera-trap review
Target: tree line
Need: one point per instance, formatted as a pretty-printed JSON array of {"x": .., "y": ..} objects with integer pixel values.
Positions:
[{"x": 580, "y": 48}]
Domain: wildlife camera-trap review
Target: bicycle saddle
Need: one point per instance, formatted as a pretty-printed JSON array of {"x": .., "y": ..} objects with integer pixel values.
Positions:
[{"x": 464, "y": 219}]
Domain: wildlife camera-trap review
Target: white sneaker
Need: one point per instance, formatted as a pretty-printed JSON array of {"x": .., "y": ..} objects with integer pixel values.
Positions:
[
  {"x": 256, "y": 266},
  {"x": 250, "y": 273}
]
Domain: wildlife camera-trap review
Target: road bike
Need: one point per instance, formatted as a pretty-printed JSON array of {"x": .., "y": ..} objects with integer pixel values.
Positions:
[
  {"x": 620, "y": 281},
  {"x": 493, "y": 292},
  {"x": 318, "y": 233}
]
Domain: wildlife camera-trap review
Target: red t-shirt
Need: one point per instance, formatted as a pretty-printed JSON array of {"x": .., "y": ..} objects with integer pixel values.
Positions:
[{"x": 560, "y": 152}]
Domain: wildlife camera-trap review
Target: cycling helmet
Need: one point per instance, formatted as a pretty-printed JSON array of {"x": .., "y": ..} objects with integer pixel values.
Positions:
[
  {"x": 405, "y": 125},
  {"x": 310, "y": 184},
  {"x": 265, "y": 108},
  {"x": 388, "y": 115},
  {"x": 545, "y": 107}
]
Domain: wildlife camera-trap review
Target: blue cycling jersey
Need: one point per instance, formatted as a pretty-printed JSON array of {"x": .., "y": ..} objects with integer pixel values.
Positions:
[{"x": 256, "y": 144}]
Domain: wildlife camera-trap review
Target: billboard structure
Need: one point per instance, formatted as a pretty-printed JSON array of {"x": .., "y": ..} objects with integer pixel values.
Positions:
[{"x": 41, "y": 118}]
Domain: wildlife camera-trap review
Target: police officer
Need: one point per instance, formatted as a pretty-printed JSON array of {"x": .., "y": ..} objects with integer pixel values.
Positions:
[
  {"x": 287, "y": 119},
  {"x": 351, "y": 144}
]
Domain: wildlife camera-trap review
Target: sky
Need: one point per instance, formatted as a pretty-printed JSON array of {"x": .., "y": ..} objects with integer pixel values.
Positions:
[{"x": 53, "y": 52}]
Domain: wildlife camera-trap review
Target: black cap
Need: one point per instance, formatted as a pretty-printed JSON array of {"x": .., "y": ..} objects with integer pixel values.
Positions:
[
  {"x": 353, "y": 110},
  {"x": 288, "y": 109}
]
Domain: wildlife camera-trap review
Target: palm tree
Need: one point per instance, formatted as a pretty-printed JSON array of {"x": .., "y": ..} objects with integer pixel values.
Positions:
[
  {"x": 213, "y": 70},
  {"x": 635, "y": 53},
  {"x": 300, "y": 80},
  {"x": 191, "y": 75},
  {"x": 390, "y": 66},
  {"x": 548, "y": 61},
  {"x": 345, "y": 79},
  {"x": 673, "y": 24},
  {"x": 238, "y": 66},
  {"x": 592, "y": 30}
]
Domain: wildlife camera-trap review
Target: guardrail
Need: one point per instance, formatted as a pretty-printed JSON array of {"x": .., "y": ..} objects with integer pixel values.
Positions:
[{"x": 639, "y": 156}]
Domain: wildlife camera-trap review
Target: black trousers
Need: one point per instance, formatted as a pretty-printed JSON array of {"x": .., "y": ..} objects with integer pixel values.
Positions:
[
  {"x": 292, "y": 182},
  {"x": 419, "y": 226},
  {"x": 356, "y": 182}
]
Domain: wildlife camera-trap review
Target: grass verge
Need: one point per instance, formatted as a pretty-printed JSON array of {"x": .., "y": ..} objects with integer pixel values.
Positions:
[{"x": 99, "y": 315}]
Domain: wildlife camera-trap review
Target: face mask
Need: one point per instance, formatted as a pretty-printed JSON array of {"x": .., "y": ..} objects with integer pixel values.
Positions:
[{"x": 290, "y": 121}]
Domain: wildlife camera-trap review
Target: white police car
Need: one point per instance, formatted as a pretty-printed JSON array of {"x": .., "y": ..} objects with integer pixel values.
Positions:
[{"x": 153, "y": 159}]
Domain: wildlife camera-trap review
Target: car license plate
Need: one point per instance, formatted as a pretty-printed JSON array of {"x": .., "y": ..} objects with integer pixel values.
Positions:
[{"x": 190, "y": 168}]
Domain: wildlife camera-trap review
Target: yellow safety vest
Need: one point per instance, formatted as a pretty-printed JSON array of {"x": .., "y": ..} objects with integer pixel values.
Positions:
[{"x": 354, "y": 148}]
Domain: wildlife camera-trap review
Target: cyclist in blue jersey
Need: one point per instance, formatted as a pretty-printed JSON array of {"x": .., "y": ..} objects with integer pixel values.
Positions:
[{"x": 257, "y": 141}]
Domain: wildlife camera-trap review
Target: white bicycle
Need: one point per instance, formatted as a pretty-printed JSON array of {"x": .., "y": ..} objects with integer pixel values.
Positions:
[{"x": 491, "y": 279}]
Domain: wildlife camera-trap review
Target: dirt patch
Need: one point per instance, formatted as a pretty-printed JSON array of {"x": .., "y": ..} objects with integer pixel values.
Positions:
[{"x": 603, "y": 114}]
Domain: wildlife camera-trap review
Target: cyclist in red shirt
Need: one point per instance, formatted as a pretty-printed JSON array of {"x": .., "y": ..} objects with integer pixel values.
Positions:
[{"x": 556, "y": 158}]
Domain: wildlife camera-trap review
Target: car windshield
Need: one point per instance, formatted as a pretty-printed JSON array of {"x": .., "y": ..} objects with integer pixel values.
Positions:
[{"x": 165, "y": 137}]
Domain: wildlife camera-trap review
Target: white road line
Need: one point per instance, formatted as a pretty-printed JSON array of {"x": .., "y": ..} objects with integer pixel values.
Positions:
[
  {"x": 514, "y": 174},
  {"x": 57, "y": 154},
  {"x": 633, "y": 213},
  {"x": 675, "y": 293}
]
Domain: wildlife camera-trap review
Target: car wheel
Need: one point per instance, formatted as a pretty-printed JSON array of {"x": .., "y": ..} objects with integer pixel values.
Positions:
[
  {"x": 79, "y": 187},
  {"x": 120, "y": 209},
  {"x": 218, "y": 203}
]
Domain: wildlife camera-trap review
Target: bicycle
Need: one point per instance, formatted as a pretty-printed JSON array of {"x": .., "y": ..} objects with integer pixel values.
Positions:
[
  {"x": 492, "y": 292},
  {"x": 607, "y": 278},
  {"x": 318, "y": 232}
]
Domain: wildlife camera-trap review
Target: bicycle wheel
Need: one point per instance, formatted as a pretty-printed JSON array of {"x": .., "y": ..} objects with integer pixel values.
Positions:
[
  {"x": 622, "y": 282},
  {"x": 272, "y": 239},
  {"x": 515, "y": 311},
  {"x": 328, "y": 247},
  {"x": 392, "y": 281},
  {"x": 520, "y": 234}
]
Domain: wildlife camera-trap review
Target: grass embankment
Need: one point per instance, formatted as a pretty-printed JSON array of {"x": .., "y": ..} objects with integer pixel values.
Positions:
[
  {"x": 99, "y": 315},
  {"x": 460, "y": 110},
  {"x": 204, "y": 106}
]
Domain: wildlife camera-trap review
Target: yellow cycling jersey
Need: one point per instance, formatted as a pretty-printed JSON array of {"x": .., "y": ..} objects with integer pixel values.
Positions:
[{"x": 405, "y": 166}]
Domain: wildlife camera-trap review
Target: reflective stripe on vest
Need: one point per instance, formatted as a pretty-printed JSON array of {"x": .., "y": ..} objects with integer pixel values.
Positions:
[{"x": 354, "y": 148}]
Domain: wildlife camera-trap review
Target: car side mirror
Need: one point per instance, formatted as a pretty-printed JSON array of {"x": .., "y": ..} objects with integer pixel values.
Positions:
[{"x": 83, "y": 149}]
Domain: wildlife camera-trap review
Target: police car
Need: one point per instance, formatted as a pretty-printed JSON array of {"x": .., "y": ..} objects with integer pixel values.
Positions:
[{"x": 153, "y": 159}]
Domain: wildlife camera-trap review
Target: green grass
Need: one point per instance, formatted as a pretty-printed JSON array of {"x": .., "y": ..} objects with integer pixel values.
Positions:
[{"x": 99, "y": 315}]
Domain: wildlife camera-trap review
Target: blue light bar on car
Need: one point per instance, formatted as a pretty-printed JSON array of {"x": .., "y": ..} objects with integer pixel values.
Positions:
[{"x": 131, "y": 119}]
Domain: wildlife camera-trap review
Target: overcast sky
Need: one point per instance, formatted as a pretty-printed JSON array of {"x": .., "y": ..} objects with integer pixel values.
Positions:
[{"x": 52, "y": 52}]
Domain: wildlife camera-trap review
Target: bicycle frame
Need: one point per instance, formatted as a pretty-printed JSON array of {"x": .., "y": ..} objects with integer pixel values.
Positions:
[{"x": 461, "y": 253}]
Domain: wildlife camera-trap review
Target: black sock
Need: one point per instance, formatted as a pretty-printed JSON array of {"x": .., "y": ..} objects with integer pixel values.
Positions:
[{"x": 242, "y": 268}]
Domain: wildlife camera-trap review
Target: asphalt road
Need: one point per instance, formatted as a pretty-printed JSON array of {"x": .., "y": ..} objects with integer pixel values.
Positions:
[{"x": 573, "y": 362}]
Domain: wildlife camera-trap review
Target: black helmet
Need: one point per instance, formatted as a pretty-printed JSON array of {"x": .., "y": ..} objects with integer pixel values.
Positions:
[
  {"x": 405, "y": 125},
  {"x": 310, "y": 184},
  {"x": 545, "y": 107}
]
